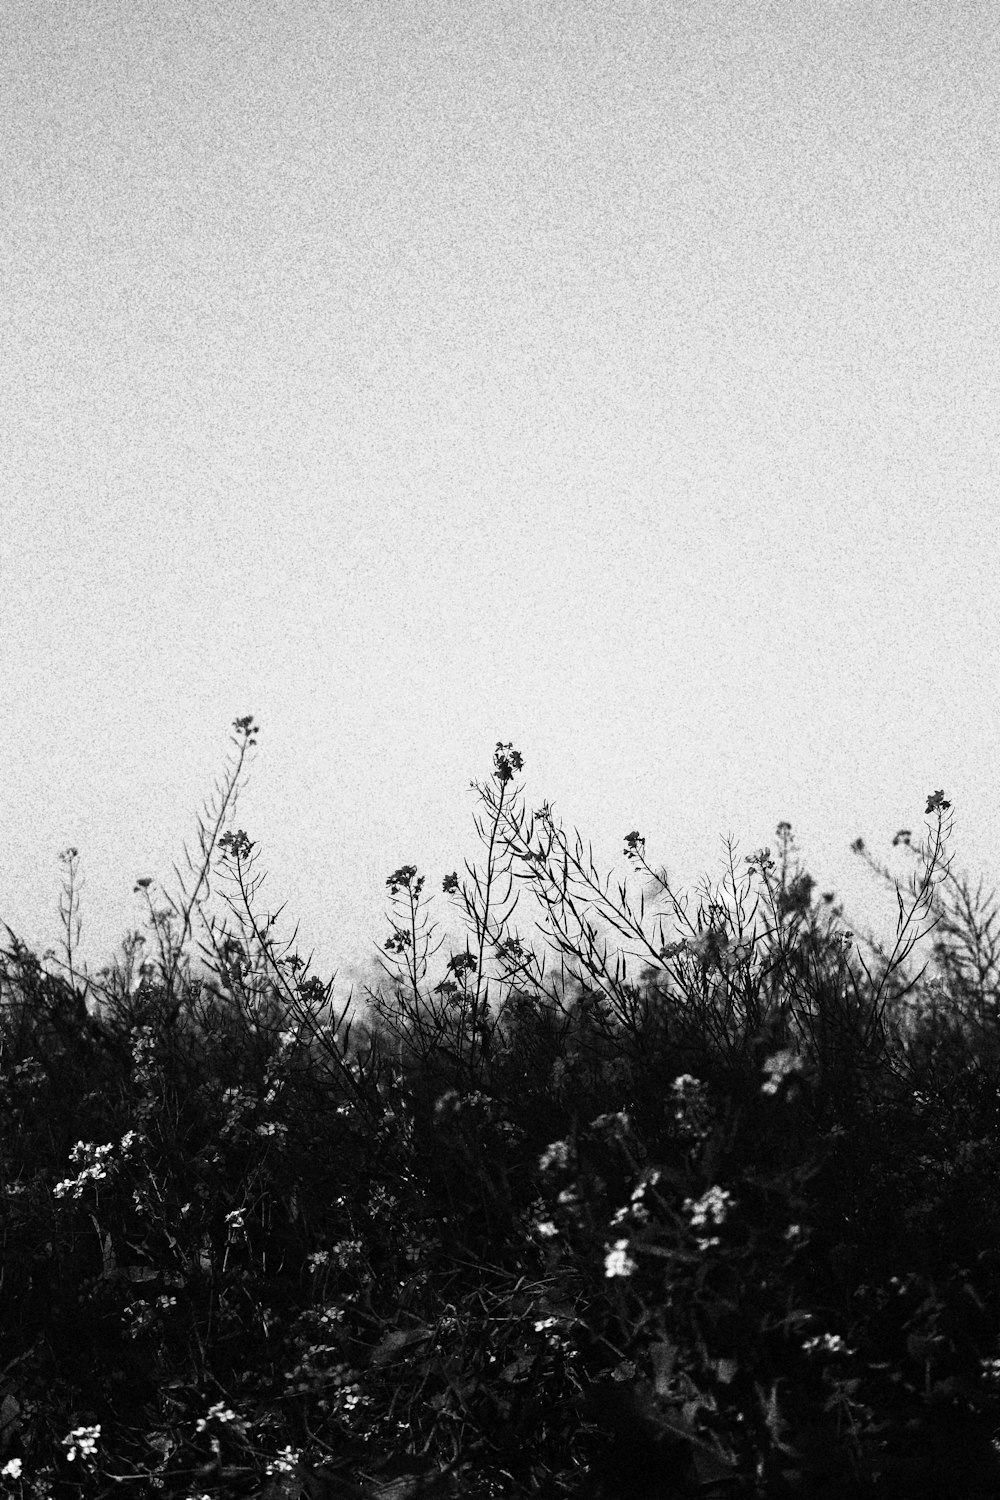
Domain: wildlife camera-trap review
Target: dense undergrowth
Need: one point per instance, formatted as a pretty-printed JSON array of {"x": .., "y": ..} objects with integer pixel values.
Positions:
[{"x": 715, "y": 1215}]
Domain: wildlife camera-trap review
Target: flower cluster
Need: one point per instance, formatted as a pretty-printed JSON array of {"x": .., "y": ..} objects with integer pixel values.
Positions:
[
  {"x": 714, "y": 1205},
  {"x": 618, "y": 1262},
  {"x": 826, "y": 1343},
  {"x": 284, "y": 1462},
  {"x": 781, "y": 1065},
  {"x": 94, "y": 1163},
  {"x": 555, "y": 1157},
  {"x": 636, "y": 1208},
  {"x": 82, "y": 1441},
  {"x": 617, "y": 1124},
  {"x": 222, "y": 1414}
]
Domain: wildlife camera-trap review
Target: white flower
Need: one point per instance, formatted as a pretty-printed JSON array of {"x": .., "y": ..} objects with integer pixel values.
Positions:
[
  {"x": 11, "y": 1469},
  {"x": 779, "y": 1066},
  {"x": 650, "y": 1179},
  {"x": 83, "y": 1149},
  {"x": 345, "y": 1250},
  {"x": 714, "y": 1204},
  {"x": 284, "y": 1462},
  {"x": 829, "y": 1343},
  {"x": 82, "y": 1440},
  {"x": 218, "y": 1413},
  {"x": 686, "y": 1083},
  {"x": 555, "y": 1155},
  {"x": 618, "y": 1262}
]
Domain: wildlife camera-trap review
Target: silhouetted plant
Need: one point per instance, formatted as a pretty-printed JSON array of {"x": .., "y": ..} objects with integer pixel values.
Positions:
[{"x": 711, "y": 1214}]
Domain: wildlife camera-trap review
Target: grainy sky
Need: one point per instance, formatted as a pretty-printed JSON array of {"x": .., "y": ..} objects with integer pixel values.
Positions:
[{"x": 621, "y": 380}]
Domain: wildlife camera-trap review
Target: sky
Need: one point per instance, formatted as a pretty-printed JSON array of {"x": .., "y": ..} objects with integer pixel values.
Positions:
[{"x": 621, "y": 381}]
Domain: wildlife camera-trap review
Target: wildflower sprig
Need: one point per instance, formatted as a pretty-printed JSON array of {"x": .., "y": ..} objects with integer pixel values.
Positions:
[
  {"x": 96, "y": 1164},
  {"x": 714, "y": 1205}
]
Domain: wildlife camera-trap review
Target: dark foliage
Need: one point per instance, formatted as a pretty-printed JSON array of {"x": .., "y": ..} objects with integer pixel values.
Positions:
[{"x": 724, "y": 1228}]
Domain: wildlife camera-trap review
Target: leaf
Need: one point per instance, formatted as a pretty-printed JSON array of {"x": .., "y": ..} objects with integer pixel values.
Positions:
[
  {"x": 711, "y": 1468},
  {"x": 140, "y": 1273},
  {"x": 10, "y": 1413},
  {"x": 393, "y": 1344},
  {"x": 518, "y": 1367},
  {"x": 664, "y": 1358},
  {"x": 681, "y": 1422},
  {"x": 403, "y": 1487}
]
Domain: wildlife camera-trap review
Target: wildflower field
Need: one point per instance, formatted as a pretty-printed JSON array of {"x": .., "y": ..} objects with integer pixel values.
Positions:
[{"x": 715, "y": 1214}]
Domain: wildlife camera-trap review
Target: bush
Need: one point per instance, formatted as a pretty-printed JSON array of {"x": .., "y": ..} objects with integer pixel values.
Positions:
[{"x": 725, "y": 1227}]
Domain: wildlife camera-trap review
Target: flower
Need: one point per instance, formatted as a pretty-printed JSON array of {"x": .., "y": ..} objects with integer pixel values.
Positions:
[
  {"x": 345, "y": 1250},
  {"x": 618, "y": 1262},
  {"x": 82, "y": 1440},
  {"x": 619, "y": 1124},
  {"x": 284, "y": 1462},
  {"x": 779, "y": 1066},
  {"x": 829, "y": 1343},
  {"x": 219, "y": 1413},
  {"x": 555, "y": 1155},
  {"x": 93, "y": 1162},
  {"x": 714, "y": 1205},
  {"x": 649, "y": 1179}
]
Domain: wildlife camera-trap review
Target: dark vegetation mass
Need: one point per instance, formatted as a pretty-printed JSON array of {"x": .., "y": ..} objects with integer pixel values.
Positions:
[{"x": 714, "y": 1215}]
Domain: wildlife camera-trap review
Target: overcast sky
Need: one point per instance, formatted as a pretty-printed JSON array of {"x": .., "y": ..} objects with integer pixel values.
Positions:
[{"x": 620, "y": 380}]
